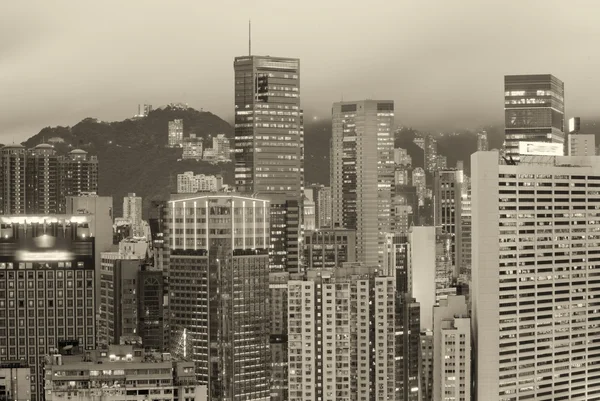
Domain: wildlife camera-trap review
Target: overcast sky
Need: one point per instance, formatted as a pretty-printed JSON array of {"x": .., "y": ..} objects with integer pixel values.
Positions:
[{"x": 442, "y": 61}]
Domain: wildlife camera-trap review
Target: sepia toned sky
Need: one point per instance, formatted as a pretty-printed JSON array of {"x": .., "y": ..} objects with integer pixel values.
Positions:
[{"x": 442, "y": 61}]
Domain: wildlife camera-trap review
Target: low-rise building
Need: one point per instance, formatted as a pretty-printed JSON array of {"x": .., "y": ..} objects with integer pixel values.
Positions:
[{"x": 119, "y": 372}]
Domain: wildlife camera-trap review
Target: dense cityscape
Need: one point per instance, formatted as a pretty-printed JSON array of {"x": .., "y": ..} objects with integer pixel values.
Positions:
[{"x": 394, "y": 280}]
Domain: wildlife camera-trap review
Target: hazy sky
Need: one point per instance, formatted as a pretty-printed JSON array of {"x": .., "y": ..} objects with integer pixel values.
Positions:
[{"x": 441, "y": 61}]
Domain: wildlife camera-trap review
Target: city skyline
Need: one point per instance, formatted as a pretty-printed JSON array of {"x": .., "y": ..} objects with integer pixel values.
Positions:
[{"x": 432, "y": 52}]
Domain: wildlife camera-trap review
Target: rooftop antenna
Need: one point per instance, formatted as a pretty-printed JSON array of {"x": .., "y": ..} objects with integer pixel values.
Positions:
[{"x": 249, "y": 37}]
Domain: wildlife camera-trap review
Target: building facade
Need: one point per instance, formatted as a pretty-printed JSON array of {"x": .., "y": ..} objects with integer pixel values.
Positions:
[
  {"x": 536, "y": 243},
  {"x": 175, "y": 137},
  {"x": 329, "y": 247},
  {"x": 189, "y": 183},
  {"x": 534, "y": 111},
  {"x": 218, "y": 271},
  {"x": 269, "y": 137},
  {"x": 46, "y": 288},
  {"x": 341, "y": 326},
  {"x": 448, "y": 209},
  {"x": 362, "y": 173},
  {"x": 119, "y": 373},
  {"x": 15, "y": 382}
]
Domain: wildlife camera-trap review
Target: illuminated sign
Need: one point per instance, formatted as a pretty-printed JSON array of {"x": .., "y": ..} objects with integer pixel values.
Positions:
[
  {"x": 541, "y": 149},
  {"x": 51, "y": 256}
]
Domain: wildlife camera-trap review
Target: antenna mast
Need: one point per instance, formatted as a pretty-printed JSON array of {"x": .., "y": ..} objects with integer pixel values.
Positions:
[{"x": 249, "y": 37}]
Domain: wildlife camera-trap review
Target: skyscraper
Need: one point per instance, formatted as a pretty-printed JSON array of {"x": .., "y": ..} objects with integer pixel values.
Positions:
[
  {"x": 269, "y": 138},
  {"x": 580, "y": 144},
  {"x": 12, "y": 179},
  {"x": 218, "y": 272},
  {"x": 46, "y": 288},
  {"x": 448, "y": 209},
  {"x": 132, "y": 210},
  {"x": 42, "y": 180},
  {"x": 362, "y": 173},
  {"x": 533, "y": 111},
  {"x": 536, "y": 247},
  {"x": 341, "y": 345}
]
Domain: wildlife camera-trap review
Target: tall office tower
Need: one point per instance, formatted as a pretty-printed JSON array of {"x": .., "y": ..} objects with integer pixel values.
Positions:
[
  {"x": 15, "y": 382},
  {"x": 534, "y": 111},
  {"x": 451, "y": 350},
  {"x": 101, "y": 208},
  {"x": 175, "y": 137},
  {"x": 13, "y": 186},
  {"x": 278, "y": 288},
  {"x": 419, "y": 141},
  {"x": 329, "y": 247},
  {"x": 426, "y": 365},
  {"x": 323, "y": 207},
  {"x": 119, "y": 372},
  {"x": 218, "y": 272},
  {"x": 78, "y": 175},
  {"x": 341, "y": 346},
  {"x": 152, "y": 296},
  {"x": 46, "y": 288},
  {"x": 285, "y": 231},
  {"x": 269, "y": 141},
  {"x": 132, "y": 210},
  {"x": 119, "y": 299},
  {"x": 482, "y": 141},
  {"x": 42, "y": 180},
  {"x": 402, "y": 158},
  {"x": 396, "y": 263},
  {"x": 419, "y": 182},
  {"x": 362, "y": 173},
  {"x": 430, "y": 153},
  {"x": 580, "y": 144},
  {"x": 448, "y": 209},
  {"x": 535, "y": 262},
  {"x": 465, "y": 223}
]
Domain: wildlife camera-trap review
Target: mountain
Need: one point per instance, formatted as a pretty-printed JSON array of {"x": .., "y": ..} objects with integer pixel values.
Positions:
[{"x": 132, "y": 153}]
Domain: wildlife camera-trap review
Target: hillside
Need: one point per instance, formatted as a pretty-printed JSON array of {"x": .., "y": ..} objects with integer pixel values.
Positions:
[{"x": 132, "y": 154}]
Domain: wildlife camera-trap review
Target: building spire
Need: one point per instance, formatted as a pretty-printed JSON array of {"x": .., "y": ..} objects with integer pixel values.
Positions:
[{"x": 249, "y": 37}]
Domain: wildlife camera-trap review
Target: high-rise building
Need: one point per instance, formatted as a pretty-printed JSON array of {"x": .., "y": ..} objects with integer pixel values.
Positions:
[
  {"x": 119, "y": 372},
  {"x": 580, "y": 144},
  {"x": 152, "y": 296},
  {"x": 118, "y": 301},
  {"x": 15, "y": 381},
  {"x": 269, "y": 138},
  {"x": 285, "y": 230},
  {"x": 132, "y": 210},
  {"x": 451, "y": 350},
  {"x": 193, "y": 148},
  {"x": 536, "y": 247},
  {"x": 218, "y": 272},
  {"x": 362, "y": 173},
  {"x": 402, "y": 214},
  {"x": 430, "y": 153},
  {"x": 419, "y": 182},
  {"x": 448, "y": 209},
  {"x": 329, "y": 247},
  {"x": 426, "y": 365},
  {"x": 78, "y": 175},
  {"x": 278, "y": 288},
  {"x": 42, "y": 180},
  {"x": 46, "y": 288},
  {"x": 534, "y": 111},
  {"x": 482, "y": 141},
  {"x": 341, "y": 325},
  {"x": 13, "y": 159},
  {"x": 441, "y": 162},
  {"x": 175, "y": 138},
  {"x": 38, "y": 181},
  {"x": 323, "y": 207},
  {"x": 465, "y": 222},
  {"x": 309, "y": 216}
]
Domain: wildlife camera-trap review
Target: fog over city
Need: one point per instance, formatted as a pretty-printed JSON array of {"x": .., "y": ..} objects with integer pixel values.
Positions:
[{"x": 441, "y": 62}]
